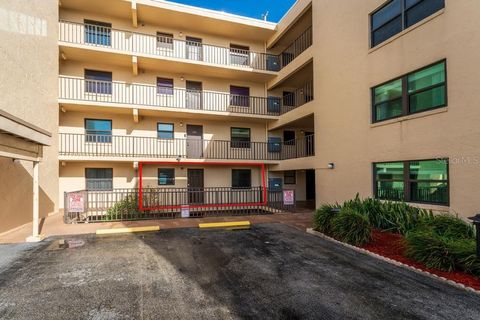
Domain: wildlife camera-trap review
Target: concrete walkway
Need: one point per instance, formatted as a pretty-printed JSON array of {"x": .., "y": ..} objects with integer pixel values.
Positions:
[{"x": 54, "y": 225}]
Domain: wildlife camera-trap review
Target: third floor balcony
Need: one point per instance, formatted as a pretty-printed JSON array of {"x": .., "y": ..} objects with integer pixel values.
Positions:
[{"x": 113, "y": 93}]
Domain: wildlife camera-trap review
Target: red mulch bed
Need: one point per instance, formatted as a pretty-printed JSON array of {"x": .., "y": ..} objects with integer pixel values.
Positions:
[{"x": 392, "y": 245}]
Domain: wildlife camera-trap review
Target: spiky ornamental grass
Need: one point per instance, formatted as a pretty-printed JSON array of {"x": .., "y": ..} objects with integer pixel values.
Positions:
[
  {"x": 351, "y": 227},
  {"x": 322, "y": 219}
]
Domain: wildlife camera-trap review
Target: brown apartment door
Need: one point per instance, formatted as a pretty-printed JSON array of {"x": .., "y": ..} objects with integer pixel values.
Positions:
[
  {"x": 194, "y": 141},
  {"x": 194, "y": 95},
  {"x": 195, "y": 186}
]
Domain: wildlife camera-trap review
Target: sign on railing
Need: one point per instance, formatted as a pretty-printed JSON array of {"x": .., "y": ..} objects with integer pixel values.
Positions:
[{"x": 76, "y": 202}]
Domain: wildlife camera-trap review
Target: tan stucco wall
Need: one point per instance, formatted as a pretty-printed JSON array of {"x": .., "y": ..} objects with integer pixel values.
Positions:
[
  {"x": 28, "y": 90},
  {"x": 344, "y": 71}
]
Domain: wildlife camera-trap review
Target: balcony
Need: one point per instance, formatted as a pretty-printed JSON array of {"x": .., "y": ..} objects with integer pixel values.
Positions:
[
  {"x": 299, "y": 45},
  {"x": 72, "y": 146},
  {"x": 140, "y": 95},
  {"x": 134, "y": 43}
]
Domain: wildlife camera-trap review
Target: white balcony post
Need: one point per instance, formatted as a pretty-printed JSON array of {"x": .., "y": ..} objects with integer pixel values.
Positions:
[{"x": 35, "y": 237}]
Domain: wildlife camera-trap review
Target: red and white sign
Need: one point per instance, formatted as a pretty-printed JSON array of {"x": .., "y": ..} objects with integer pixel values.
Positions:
[
  {"x": 76, "y": 202},
  {"x": 288, "y": 197}
]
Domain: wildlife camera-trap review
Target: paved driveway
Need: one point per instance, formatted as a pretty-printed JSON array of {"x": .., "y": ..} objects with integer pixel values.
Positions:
[{"x": 271, "y": 271}]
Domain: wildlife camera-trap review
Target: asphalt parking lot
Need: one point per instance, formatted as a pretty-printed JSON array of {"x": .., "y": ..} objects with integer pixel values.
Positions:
[{"x": 269, "y": 272}]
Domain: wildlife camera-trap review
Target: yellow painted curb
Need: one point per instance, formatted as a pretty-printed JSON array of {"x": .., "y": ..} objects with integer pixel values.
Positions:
[
  {"x": 234, "y": 224},
  {"x": 128, "y": 230}
]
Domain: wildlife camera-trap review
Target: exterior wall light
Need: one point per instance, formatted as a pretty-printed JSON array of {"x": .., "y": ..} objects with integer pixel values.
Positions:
[{"x": 331, "y": 165}]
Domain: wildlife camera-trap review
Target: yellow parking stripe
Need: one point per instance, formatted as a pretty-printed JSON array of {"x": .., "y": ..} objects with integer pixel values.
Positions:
[
  {"x": 128, "y": 230},
  {"x": 234, "y": 224}
]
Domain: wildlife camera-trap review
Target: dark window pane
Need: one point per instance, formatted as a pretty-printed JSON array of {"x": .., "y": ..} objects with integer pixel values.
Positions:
[
  {"x": 289, "y": 137},
  {"x": 165, "y": 131},
  {"x": 411, "y": 3},
  {"x": 390, "y": 190},
  {"x": 241, "y": 178},
  {"x": 239, "y": 96},
  {"x": 98, "y": 82},
  {"x": 428, "y": 170},
  {"x": 387, "y": 13},
  {"x": 166, "y": 177},
  {"x": 289, "y": 177},
  {"x": 99, "y": 178},
  {"x": 240, "y": 137},
  {"x": 389, "y": 171},
  {"x": 164, "y": 86},
  {"x": 288, "y": 99},
  {"x": 97, "y": 32},
  {"x": 427, "y": 99},
  {"x": 422, "y": 10},
  {"x": 98, "y": 130},
  {"x": 387, "y": 31},
  {"x": 430, "y": 192}
]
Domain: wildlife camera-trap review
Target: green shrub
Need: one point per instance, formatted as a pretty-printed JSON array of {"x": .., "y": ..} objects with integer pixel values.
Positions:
[
  {"x": 427, "y": 247},
  {"x": 352, "y": 227},
  {"x": 450, "y": 227},
  {"x": 126, "y": 207},
  {"x": 322, "y": 219},
  {"x": 464, "y": 251}
]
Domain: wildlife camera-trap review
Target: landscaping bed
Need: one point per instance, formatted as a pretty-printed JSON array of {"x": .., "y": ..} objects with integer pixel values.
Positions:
[
  {"x": 443, "y": 245},
  {"x": 393, "y": 246}
]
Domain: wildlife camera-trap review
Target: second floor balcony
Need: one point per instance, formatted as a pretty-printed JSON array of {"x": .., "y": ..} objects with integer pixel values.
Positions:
[
  {"x": 113, "y": 92},
  {"x": 106, "y": 145}
]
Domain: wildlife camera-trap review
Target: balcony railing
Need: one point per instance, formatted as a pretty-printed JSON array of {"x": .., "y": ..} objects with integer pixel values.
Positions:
[
  {"x": 302, "y": 43},
  {"x": 162, "y": 46},
  {"x": 107, "y": 145},
  {"x": 153, "y": 96},
  {"x": 122, "y": 204}
]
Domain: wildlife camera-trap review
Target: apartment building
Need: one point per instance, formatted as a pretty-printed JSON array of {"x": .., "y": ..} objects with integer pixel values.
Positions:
[
  {"x": 183, "y": 101},
  {"x": 208, "y": 112}
]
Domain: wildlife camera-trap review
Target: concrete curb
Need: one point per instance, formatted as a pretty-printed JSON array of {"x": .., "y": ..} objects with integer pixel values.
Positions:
[{"x": 394, "y": 262}]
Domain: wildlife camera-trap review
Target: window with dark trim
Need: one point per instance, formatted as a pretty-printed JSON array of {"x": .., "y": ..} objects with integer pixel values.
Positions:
[
  {"x": 98, "y": 130},
  {"x": 422, "y": 181},
  {"x": 164, "y": 86},
  {"x": 166, "y": 176},
  {"x": 164, "y": 40},
  {"x": 99, "y": 178},
  {"x": 290, "y": 177},
  {"x": 97, "y": 32},
  {"x": 397, "y": 15},
  {"x": 288, "y": 99},
  {"x": 418, "y": 91},
  {"x": 240, "y": 137},
  {"x": 241, "y": 178},
  {"x": 239, "y": 55},
  {"x": 98, "y": 81},
  {"x": 289, "y": 137},
  {"x": 165, "y": 130},
  {"x": 239, "y": 96}
]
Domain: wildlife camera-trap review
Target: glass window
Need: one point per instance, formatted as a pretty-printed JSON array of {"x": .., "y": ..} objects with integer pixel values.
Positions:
[
  {"x": 98, "y": 130},
  {"x": 164, "y": 40},
  {"x": 397, "y": 15},
  {"x": 99, "y": 178},
  {"x": 166, "y": 177},
  {"x": 239, "y": 96},
  {"x": 388, "y": 100},
  {"x": 165, "y": 131},
  {"x": 240, "y": 137},
  {"x": 288, "y": 99},
  {"x": 290, "y": 177},
  {"x": 98, "y": 81},
  {"x": 389, "y": 180},
  {"x": 424, "y": 181},
  {"x": 241, "y": 178},
  {"x": 426, "y": 89},
  {"x": 97, "y": 32},
  {"x": 164, "y": 86}
]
